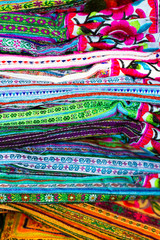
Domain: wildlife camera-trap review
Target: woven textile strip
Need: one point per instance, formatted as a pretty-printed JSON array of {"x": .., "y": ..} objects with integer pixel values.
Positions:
[
  {"x": 26, "y": 5},
  {"x": 68, "y": 61},
  {"x": 85, "y": 221}
]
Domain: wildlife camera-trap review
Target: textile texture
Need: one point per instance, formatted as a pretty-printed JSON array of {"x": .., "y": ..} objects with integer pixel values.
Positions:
[
  {"x": 119, "y": 220},
  {"x": 79, "y": 120}
]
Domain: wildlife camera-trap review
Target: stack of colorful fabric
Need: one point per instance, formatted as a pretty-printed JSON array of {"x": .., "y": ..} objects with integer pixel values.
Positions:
[{"x": 79, "y": 120}]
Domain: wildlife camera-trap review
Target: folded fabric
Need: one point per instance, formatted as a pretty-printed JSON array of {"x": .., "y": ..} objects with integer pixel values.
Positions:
[
  {"x": 126, "y": 59},
  {"x": 142, "y": 42},
  {"x": 50, "y": 94},
  {"x": 21, "y": 227},
  {"x": 103, "y": 221},
  {"x": 45, "y": 29},
  {"x": 85, "y": 111},
  {"x": 83, "y": 126},
  {"x": 123, "y": 218}
]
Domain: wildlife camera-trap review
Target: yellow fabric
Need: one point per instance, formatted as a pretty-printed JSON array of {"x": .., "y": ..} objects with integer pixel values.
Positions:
[{"x": 20, "y": 227}]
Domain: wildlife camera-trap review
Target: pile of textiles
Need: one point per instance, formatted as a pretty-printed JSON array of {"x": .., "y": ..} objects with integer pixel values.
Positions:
[{"x": 79, "y": 120}]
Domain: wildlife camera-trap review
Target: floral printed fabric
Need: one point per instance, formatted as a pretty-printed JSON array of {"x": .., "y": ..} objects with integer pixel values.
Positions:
[{"x": 125, "y": 27}]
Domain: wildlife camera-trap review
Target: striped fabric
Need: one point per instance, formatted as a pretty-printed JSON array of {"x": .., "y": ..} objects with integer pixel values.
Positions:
[{"x": 79, "y": 120}]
